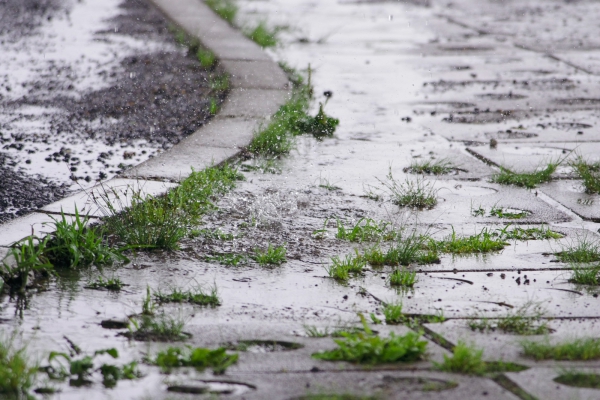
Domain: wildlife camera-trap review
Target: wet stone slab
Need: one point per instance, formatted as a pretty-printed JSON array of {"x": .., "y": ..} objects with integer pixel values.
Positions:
[
  {"x": 572, "y": 194},
  {"x": 540, "y": 383}
]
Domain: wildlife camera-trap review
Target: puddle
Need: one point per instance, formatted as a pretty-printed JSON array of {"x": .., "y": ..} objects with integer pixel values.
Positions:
[{"x": 262, "y": 346}]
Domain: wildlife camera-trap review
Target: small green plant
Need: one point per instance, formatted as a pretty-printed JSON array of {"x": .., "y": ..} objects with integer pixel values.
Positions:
[
  {"x": 342, "y": 269},
  {"x": 161, "y": 328},
  {"x": 483, "y": 242},
  {"x": 526, "y": 320},
  {"x": 408, "y": 248},
  {"x": 225, "y": 9},
  {"x": 320, "y": 126},
  {"x": 112, "y": 284},
  {"x": 262, "y": 35},
  {"x": 501, "y": 212},
  {"x": 579, "y": 379},
  {"x": 219, "y": 83},
  {"x": 585, "y": 275},
  {"x": 72, "y": 244},
  {"x": 573, "y": 350},
  {"x": 589, "y": 173},
  {"x": 148, "y": 305},
  {"x": 418, "y": 193},
  {"x": 365, "y": 230},
  {"x": 25, "y": 258},
  {"x": 194, "y": 296},
  {"x": 393, "y": 313},
  {"x": 17, "y": 372},
  {"x": 465, "y": 359},
  {"x": 430, "y": 167},
  {"x": 403, "y": 277},
  {"x": 542, "y": 233},
  {"x": 368, "y": 348},
  {"x": 200, "y": 358},
  {"x": 582, "y": 250},
  {"x": 232, "y": 260},
  {"x": 213, "y": 106},
  {"x": 270, "y": 256},
  {"x": 528, "y": 180},
  {"x": 207, "y": 58}
]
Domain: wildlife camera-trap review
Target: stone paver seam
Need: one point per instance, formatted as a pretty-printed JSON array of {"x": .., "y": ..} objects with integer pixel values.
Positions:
[{"x": 252, "y": 79}]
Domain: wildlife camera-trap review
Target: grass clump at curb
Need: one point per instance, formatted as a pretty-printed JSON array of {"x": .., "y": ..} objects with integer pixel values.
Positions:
[
  {"x": 579, "y": 379},
  {"x": 368, "y": 348},
  {"x": 468, "y": 360},
  {"x": 483, "y": 242},
  {"x": 161, "y": 221},
  {"x": 161, "y": 328},
  {"x": 196, "y": 296},
  {"x": 17, "y": 373},
  {"x": 200, "y": 358},
  {"x": 583, "y": 250},
  {"x": 226, "y": 9},
  {"x": 428, "y": 167},
  {"x": 585, "y": 275},
  {"x": 111, "y": 284},
  {"x": 572, "y": 350},
  {"x": 365, "y": 230},
  {"x": 403, "y": 278},
  {"x": 207, "y": 58},
  {"x": 262, "y": 35},
  {"x": 24, "y": 259},
  {"x": 518, "y": 322},
  {"x": 528, "y": 180},
  {"x": 272, "y": 255},
  {"x": 342, "y": 269},
  {"x": 417, "y": 193},
  {"x": 589, "y": 173}
]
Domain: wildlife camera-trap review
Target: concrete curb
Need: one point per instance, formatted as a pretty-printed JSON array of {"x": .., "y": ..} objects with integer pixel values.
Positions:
[{"x": 258, "y": 87}]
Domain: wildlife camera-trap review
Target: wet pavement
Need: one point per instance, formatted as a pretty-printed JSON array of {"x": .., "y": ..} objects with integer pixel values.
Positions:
[{"x": 411, "y": 81}]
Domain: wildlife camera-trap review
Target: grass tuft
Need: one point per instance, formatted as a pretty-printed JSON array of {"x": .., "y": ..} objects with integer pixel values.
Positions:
[
  {"x": 417, "y": 193},
  {"x": 226, "y": 9},
  {"x": 270, "y": 256},
  {"x": 403, "y": 277},
  {"x": 162, "y": 328},
  {"x": 585, "y": 275},
  {"x": 262, "y": 35},
  {"x": 584, "y": 250},
  {"x": 573, "y": 350},
  {"x": 465, "y": 360},
  {"x": 200, "y": 358},
  {"x": 517, "y": 233},
  {"x": 232, "y": 260},
  {"x": 430, "y": 167},
  {"x": 194, "y": 296},
  {"x": 207, "y": 58},
  {"x": 393, "y": 313},
  {"x": 25, "y": 258},
  {"x": 111, "y": 284},
  {"x": 408, "y": 248},
  {"x": 367, "y": 348},
  {"x": 524, "y": 321},
  {"x": 365, "y": 230},
  {"x": 342, "y": 269},
  {"x": 589, "y": 173},
  {"x": 528, "y": 180},
  {"x": 483, "y": 242},
  {"x": 579, "y": 379},
  {"x": 17, "y": 373}
]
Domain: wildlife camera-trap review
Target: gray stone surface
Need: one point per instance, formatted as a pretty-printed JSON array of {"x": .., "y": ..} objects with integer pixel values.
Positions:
[
  {"x": 118, "y": 192},
  {"x": 571, "y": 194},
  {"x": 539, "y": 382}
]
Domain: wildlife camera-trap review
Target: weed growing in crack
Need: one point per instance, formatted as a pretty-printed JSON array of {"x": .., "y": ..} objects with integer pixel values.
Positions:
[
  {"x": 430, "y": 167},
  {"x": 519, "y": 322},
  {"x": 112, "y": 284},
  {"x": 528, "y": 180},
  {"x": 365, "y": 230},
  {"x": 207, "y": 58},
  {"x": 501, "y": 212},
  {"x": 408, "y": 248},
  {"x": 17, "y": 372},
  {"x": 196, "y": 296},
  {"x": 418, "y": 193},
  {"x": 542, "y": 233},
  {"x": 342, "y": 269},
  {"x": 162, "y": 221},
  {"x": 393, "y": 313},
  {"x": 161, "y": 328},
  {"x": 272, "y": 255},
  {"x": 263, "y": 35},
  {"x": 219, "y": 83},
  {"x": 578, "y": 379},
  {"x": 585, "y": 275},
  {"x": 583, "y": 250},
  {"x": 465, "y": 359},
  {"x": 200, "y": 358},
  {"x": 483, "y": 242},
  {"x": 368, "y": 348},
  {"x": 573, "y": 350},
  {"x": 25, "y": 258},
  {"x": 589, "y": 173},
  {"x": 72, "y": 244},
  {"x": 226, "y": 9},
  {"x": 403, "y": 278}
]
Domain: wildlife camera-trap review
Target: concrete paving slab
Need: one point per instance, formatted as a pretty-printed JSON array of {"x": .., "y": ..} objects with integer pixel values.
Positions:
[
  {"x": 253, "y": 103},
  {"x": 588, "y": 59},
  {"x": 504, "y": 346},
  {"x": 539, "y": 382},
  {"x": 256, "y": 75},
  {"x": 119, "y": 192},
  {"x": 228, "y": 133},
  {"x": 37, "y": 223},
  {"x": 571, "y": 194}
]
